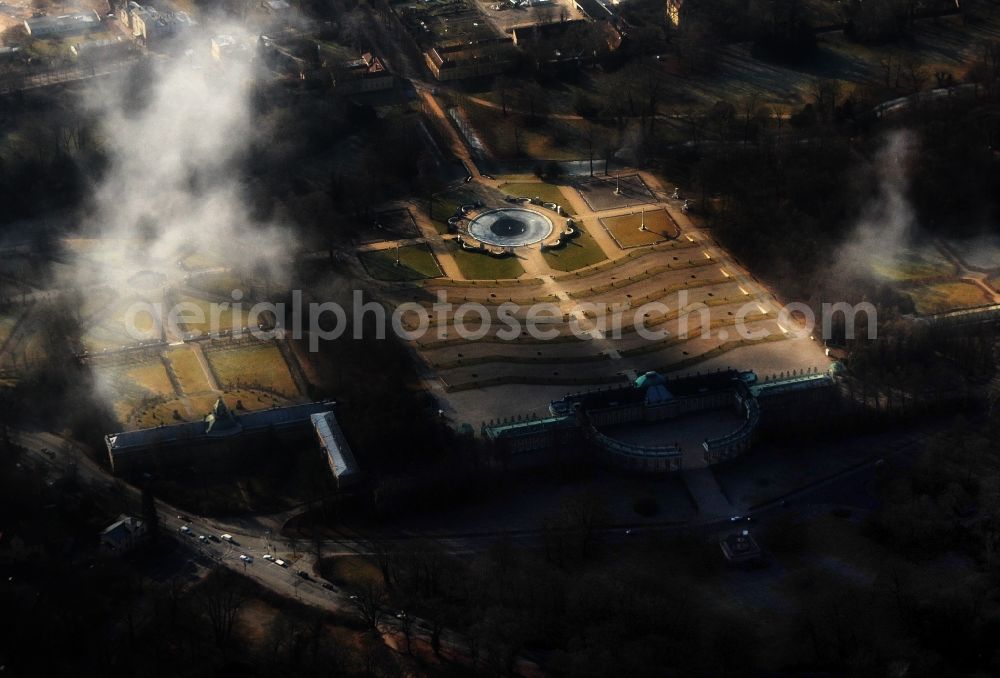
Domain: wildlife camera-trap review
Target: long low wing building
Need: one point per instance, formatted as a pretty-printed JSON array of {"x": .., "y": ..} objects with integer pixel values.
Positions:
[
  {"x": 224, "y": 439},
  {"x": 334, "y": 445}
]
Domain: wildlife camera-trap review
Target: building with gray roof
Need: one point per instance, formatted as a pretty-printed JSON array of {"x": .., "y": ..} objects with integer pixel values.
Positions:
[{"x": 224, "y": 438}]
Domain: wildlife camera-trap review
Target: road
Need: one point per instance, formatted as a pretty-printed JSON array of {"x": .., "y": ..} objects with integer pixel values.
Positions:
[{"x": 51, "y": 452}]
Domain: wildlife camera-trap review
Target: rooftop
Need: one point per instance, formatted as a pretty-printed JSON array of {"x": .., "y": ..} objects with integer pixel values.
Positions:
[
  {"x": 799, "y": 383},
  {"x": 198, "y": 430},
  {"x": 335, "y": 445}
]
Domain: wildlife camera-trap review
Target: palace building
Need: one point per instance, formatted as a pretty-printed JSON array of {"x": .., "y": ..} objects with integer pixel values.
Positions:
[{"x": 652, "y": 400}]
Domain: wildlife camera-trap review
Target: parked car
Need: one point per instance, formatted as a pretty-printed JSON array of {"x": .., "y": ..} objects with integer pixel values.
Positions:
[
  {"x": 246, "y": 559},
  {"x": 227, "y": 537},
  {"x": 185, "y": 529}
]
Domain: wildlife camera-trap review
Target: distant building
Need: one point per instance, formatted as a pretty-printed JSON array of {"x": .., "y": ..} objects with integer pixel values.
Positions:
[
  {"x": 366, "y": 74},
  {"x": 150, "y": 24},
  {"x": 58, "y": 26},
  {"x": 595, "y": 9},
  {"x": 276, "y": 6},
  {"x": 740, "y": 548},
  {"x": 96, "y": 50},
  {"x": 228, "y": 48},
  {"x": 123, "y": 535},
  {"x": 460, "y": 60},
  {"x": 9, "y": 53},
  {"x": 338, "y": 452},
  {"x": 576, "y": 39}
]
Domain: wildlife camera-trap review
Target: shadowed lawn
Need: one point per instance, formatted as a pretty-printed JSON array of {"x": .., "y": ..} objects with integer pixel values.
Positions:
[
  {"x": 478, "y": 266},
  {"x": 547, "y": 192},
  {"x": 575, "y": 253},
  {"x": 444, "y": 205},
  {"x": 416, "y": 262}
]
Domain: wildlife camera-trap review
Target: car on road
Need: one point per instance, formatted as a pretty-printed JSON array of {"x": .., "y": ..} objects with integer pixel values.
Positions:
[
  {"x": 328, "y": 586},
  {"x": 280, "y": 562},
  {"x": 227, "y": 537},
  {"x": 202, "y": 538},
  {"x": 303, "y": 574},
  {"x": 181, "y": 516},
  {"x": 214, "y": 538},
  {"x": 267, "y": 556},
  {"x": 740, "y": 519},
  {"x": 185, "y": 529},
  {"x": 246, "y": 559}
]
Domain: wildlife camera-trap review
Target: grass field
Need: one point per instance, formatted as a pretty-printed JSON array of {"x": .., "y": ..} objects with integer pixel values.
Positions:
[
  {"x": 625, "y": 229},
  {"x": 188, "y": 371},
  {"x": 222, "y": 321},
  {"x": 350, "y": 571},
  {"x": 947, "y": 297},
  {"x": 444, "y": 205},
  {"x": 200, "y": 260},
  {"x": 260, "y": 365},
  {"x": 476, "y": 266},
  {"x": 575, "y": 253},
  {"x": 914, "y": 265},
  {"x": 220, "y": 284},
  {"x": 547, "y": 192},
  {"x": 195, "y": 408},
  {"x": 416, "y": 262},
  {"x": 134, "y": 384}
]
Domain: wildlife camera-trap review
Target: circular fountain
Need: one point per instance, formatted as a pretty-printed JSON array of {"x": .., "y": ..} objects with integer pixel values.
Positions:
[{"x": 510, "y": 227}]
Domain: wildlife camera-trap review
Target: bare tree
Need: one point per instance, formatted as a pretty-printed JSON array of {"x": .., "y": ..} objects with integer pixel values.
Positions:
[
  {"x": 369, "y": 600},
  {"x": 222, "y": 598}
]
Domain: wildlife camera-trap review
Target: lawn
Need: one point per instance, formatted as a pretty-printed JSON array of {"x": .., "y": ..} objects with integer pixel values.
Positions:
[
  {"x": 258, "y": 366},
  {"x": 575, "y": 253},
  {"x": 220, "y": 284},
  {"x": 913, "y": 265},
  {"x": 213, "y": 317},
  {"x": 134, "y": 384},
  {"x": 199, "y": 260},
  {"x": 477, "y": 266},
  {"x": 947, "y": 297},
  {"x": 532, "y": 189},
  {"x": 444, "y": 205},
  {"x": 660, "y": 226},
  {"x": 187, "y": 369},
  {"x": 416, "y": 262},
  {"x": 195, "y": 408}
]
